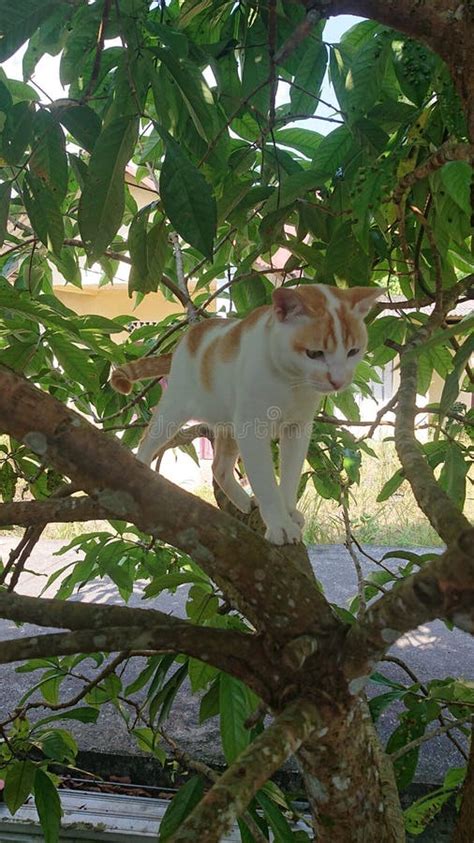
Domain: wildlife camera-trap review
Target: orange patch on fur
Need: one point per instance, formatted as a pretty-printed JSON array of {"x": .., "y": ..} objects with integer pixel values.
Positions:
[
  {"x": 148, "y": 367},
  {"x": 314, "y": 300},
  {"x": 316, "y": 335},
  {"x": 208, "y": 361},
  {"x": 230, "y": 342},
  {"x": 196, "y": 334}
]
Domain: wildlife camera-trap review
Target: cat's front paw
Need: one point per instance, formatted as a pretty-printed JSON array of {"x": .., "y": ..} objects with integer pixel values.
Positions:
[
  {"x": 286, "y": 533},
  {"x": 297, "y": 517}
]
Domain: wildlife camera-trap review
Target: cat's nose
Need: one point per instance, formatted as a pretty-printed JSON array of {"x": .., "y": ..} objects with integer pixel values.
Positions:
[{"x": 335, "y": 382}]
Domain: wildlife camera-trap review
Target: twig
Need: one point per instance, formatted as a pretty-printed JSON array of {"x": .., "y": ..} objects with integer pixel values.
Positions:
[
  {"x": 444, "y": 588},
  {"x": 182, "y": 285},
  {"x": 189, "y": 763},
  {"x": 453, "y": 724},
  {"x": 313, "y": 16},
  {"x": 98, "y": 52},
  {"x": 90, "y": 683},
  {"x": 350, "y": 549},
  {"x": 389, "y": 406},
  {"x": 424, "y": 690}
]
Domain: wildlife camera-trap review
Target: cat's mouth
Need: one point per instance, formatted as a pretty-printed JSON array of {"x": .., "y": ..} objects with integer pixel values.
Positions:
[{"x": 323, "y": 387}]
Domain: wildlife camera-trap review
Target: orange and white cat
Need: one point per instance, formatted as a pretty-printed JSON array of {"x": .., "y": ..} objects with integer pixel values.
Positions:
[{"x": 257, "y": 379}]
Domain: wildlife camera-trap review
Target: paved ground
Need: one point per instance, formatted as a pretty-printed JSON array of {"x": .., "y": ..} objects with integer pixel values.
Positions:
[{"x": 431, "y": 651}]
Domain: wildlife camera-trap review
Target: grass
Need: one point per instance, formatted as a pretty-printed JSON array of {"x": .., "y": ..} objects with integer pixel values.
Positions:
[{"x": 396, "y": 522}]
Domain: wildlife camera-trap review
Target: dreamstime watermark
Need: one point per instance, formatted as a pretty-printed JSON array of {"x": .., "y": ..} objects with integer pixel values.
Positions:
[{"x": 271, "y": 427}]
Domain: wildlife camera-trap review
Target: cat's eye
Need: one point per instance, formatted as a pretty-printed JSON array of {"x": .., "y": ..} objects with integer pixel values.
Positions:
[
  {"x": 315, "y": 355},
  {"x": 353, "y": 352}
]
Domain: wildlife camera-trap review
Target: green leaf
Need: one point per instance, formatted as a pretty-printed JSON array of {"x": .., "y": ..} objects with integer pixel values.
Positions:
[
  {"x": 234, "y": 711},
  {"x": 275, "y": 818},
  {"x": 48, "y": 161},
  {"x": 420, "y": 813},
  {"x": 137, "y": 248},
  {"x": 5, "y": 195},
  {"x": 82, "y": 122},
  {"x": 84, "y": 714},
  {"x": 59, "y": 745},
  {"x": 294, "y": 187},
  {"x": 249, "y": 293},
  {"x": 74, "y": 361},
  {"x": 303, "y": 140},
  {"x": 378, "y": 704},
  {"x": 194, "y": 90},
  {"x": 19, "y": 779},
  {"x": 451, "y": 384},
  {"x": 200, "y": 674},
  {"x": 48, "y": 806},
  {"x": 157, "y": 251},
  {"x": 210, "y": 702},
  {"x": 20, "y": 20},
  {"x": 187, "y": 199},
  {"x": 453, "y": 474},
  {"x": 102, "y": 201},
  {"x": 332, "y": 151},
  {"x": 308, "y": 78},
  {"x": 17, "y": 131},
  {"x": 256, "y": 66},
  {"x": 365, "y": 77},
  {"x": 457, "y": 178},
  {"x": 345, "y": 258},
  {"x": 8, "y": 478},
  {"x": 44, "y": 213},
  {"x": 180, "y": 807}
]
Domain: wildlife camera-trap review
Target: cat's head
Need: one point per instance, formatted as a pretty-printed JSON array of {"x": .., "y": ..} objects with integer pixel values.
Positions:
[{"x": 321, "y": 335}]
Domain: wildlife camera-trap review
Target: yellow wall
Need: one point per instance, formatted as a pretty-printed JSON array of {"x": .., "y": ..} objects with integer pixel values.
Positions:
[{"x": 113, "y": 300}]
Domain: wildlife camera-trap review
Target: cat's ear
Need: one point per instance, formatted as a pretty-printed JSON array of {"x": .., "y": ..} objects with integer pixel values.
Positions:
[
  {"x": 287, "y": 303},
  {"x": 362, "y": 298}
]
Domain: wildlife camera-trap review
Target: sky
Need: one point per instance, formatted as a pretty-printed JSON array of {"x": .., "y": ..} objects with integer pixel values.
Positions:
[{"x": 47, "y": 72}]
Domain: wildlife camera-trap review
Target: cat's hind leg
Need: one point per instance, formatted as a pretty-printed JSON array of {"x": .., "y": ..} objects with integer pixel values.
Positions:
[
  {"x": 225, "y": 456},
  {"x": 167, "y": 419}
]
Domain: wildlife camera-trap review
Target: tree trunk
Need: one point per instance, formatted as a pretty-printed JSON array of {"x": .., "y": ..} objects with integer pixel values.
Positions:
[{"x": 350, "y": 782}]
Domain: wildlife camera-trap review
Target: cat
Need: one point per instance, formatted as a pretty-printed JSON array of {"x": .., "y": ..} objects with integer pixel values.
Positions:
[{"x": 257, "y": 379}]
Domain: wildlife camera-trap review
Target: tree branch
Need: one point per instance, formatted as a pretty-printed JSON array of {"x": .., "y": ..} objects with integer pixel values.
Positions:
[
  {"x": 231, "y": 794},
  {"x": 442, "y": 589},
  {"x": 428, "y": 736},
  {"x": 28, "y": 513},
  {"x": 128, "y": 489},
  {"x": 111, "y": 628},
  {"x": 438, "y": 507}
]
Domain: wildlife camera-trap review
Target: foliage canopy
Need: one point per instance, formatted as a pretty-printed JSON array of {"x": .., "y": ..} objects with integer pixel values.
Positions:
[{"x": 213, "y": 103}]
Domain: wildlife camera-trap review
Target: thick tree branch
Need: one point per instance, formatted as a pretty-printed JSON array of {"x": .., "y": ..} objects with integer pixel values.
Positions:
[
  {"x": 442, "y": 589},
  {"x": 231, "y": 794},
  {"x": 221, "y": 651},
  {"x": 438, "y": 507},
  {"x": 128, "y": 489},
  {"x": 111, "y": 628},
  {"x": 28, "y": 513}
]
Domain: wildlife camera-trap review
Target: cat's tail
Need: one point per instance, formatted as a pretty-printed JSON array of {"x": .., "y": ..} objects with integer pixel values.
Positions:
[{"x": 147, "y": 367}]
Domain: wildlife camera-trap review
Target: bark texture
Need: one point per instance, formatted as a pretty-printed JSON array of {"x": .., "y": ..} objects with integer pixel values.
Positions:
[{"x": 349, "y": 781}]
